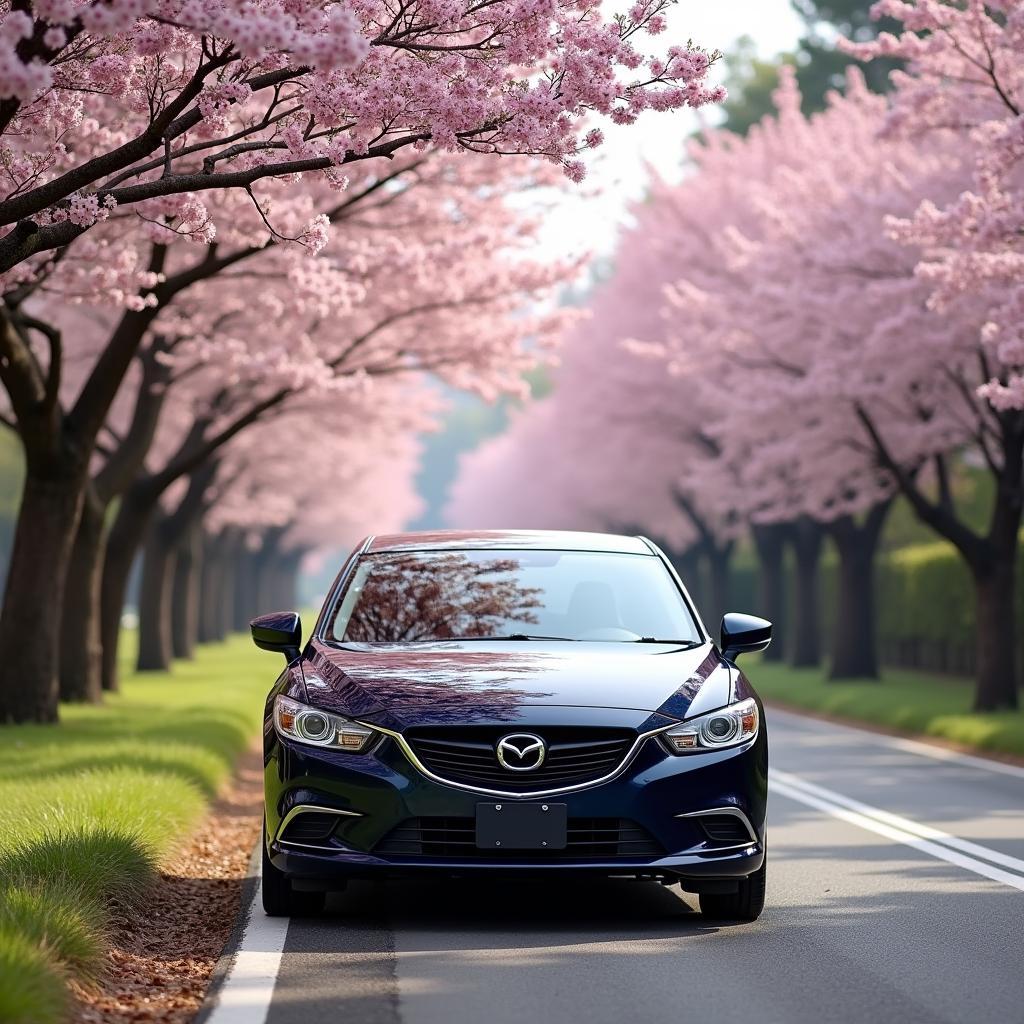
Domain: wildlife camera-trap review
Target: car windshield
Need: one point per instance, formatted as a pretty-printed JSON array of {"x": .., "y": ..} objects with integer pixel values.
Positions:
[{"x": 404, "y": 597}]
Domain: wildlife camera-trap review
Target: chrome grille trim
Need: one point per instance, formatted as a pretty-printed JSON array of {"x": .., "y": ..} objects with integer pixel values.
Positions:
[
  {"x": 467, "y": 754},
  {"x": 309, "y": 809},
  {"x": 590, "y": 784},
  {"x": 733, "y": 812}
]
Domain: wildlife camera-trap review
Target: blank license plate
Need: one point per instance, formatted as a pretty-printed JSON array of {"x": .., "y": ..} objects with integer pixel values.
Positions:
[{"x": 514, "y": 826}]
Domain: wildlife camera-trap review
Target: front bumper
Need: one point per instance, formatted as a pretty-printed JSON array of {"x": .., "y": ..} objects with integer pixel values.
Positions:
[{"x": 377, "y": 792}]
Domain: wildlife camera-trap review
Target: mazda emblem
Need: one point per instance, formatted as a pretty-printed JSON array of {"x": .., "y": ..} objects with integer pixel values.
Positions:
[{"x": 521, "y": 752}]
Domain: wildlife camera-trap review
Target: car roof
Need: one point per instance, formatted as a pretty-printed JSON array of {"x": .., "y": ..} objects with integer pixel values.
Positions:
[{"x": 538, "y": 540}]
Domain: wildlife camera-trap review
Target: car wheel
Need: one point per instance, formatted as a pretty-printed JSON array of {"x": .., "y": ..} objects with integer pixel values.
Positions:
[
  {"x": 280, "y": 899},
  {"x": 745, "y": 904}
]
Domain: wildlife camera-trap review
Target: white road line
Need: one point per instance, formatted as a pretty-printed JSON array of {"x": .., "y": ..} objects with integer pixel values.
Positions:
[
  {"x": 931, "y": 750},
  {"x": 907, "y": 824},
  {"x": 882, "y": 823},
  {"x": 244, "y": 996}
]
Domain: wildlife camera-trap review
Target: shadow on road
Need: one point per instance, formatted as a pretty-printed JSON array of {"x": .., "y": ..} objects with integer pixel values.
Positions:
[{"x": 625, "y": 907}]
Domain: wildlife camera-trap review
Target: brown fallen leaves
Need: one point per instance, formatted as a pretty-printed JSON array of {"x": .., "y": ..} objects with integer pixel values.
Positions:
[{"x": 161, "y": 957}]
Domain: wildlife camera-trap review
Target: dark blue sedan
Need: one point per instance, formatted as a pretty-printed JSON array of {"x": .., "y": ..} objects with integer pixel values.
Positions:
[{"x": 513, "y": 702}]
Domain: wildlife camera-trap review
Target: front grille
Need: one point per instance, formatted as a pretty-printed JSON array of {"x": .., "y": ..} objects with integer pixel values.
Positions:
[
  {"x": 724, "y": 828},
  {"x": 310, "y": 827},
  {"x": 455, "y": 839},
  {"x": 467, "y": 754}
]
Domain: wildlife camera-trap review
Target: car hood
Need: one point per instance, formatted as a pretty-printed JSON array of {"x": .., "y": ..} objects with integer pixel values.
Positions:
[{"x": 400, "y": 685}]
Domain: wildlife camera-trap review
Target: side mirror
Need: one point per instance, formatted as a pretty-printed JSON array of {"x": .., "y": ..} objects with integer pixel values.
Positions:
[
  {"x": 744, "y": 634},
  {"x": 278, "y": 631}
]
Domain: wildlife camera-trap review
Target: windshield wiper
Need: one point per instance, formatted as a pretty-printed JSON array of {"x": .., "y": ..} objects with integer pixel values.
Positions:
[
  {"x": 516, "y": 636},
  {"x": 688, "y": 644}
]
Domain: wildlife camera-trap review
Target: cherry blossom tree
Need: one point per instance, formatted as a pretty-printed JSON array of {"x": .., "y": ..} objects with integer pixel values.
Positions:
[
  {"x": 206, "y": 98},
  {"x": 614, "y": 447},
  {"x": 965, "y": 78},
  {"x": 220, "y": 95},
  {"x": 368, "y": 307},
  {"x": 88, "y": 276},
  {"x": 367, "y": 456},
  {"x": 854, "y": 309},
  {"x": 868, "y": 358},
  {"x": 783, "y": 301},
  {"x": 808, "y": 341}
]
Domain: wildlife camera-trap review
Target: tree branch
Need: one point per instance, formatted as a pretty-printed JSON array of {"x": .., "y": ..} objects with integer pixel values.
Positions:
[
  {"x": 942, "y": 520},
  {"x": 20, "y": 207}
]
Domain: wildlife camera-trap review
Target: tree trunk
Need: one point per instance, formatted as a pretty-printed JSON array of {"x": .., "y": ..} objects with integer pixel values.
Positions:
[
  {"x": 133, "y": 517},
  {"x": 288, "y": 580},
  {"x": 770, "y": 542},
  {"x": 244, "y": 604},
  {"x": 155, "y": 642},
  {"x": 854, "y": 642},
  {"x": 58, "y": 449},
  {"x": 267, "y": 561},
  {"x": 717, "y": 557},
  {"x": 211, "y": 589},
  {"x": 185, "y": 596},
  {"x": 30, "y": 621},
  {"x": 230, "y": 546},
  {"x": 806, "y": 632},
  {"x": 992, "y": 557},
  {"x": 995, "y": 588},
  {"x": 81, "y": 652}
]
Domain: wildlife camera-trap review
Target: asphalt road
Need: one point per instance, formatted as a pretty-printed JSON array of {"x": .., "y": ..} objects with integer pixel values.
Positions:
[{"x": 895, "y": 893}]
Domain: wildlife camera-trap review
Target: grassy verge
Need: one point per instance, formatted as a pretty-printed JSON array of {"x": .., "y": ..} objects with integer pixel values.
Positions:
[
  {"x": 910, "y": 702},
  {"x": 88, "y": 808}
]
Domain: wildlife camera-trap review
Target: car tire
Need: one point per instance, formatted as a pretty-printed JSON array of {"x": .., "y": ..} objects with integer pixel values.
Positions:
[
  {"x": 280, "y": 899},
  {"x": 745, "y": 904}
]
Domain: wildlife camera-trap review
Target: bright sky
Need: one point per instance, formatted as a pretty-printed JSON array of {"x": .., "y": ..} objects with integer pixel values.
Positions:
[{"x": 616, "y": 170}]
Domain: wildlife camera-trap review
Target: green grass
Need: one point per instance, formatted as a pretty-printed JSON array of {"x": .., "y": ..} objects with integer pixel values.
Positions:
[
  {"x": 89, "y": 807},
  {"x": 909, "y": 702}
]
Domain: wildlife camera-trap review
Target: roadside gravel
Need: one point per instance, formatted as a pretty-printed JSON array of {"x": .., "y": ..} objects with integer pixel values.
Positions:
[{"x": 161, "y": 958}]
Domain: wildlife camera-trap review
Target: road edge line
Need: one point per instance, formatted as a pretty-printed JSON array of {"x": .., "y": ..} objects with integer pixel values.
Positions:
[
  {"x": 918, "y": 828},
  {"x": 250, "y": 962},
  {"x": 897, "y": 835}
]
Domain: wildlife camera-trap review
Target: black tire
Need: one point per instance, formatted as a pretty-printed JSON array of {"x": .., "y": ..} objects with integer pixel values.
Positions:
[
  {"x": 280, "y": 899},
  {"x": 745, "y": 904}
]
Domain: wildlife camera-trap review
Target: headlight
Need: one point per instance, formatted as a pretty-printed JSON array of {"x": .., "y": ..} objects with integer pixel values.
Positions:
[
  {"x": 727, "y": 727},
  {"x": 320, "y": 728}
]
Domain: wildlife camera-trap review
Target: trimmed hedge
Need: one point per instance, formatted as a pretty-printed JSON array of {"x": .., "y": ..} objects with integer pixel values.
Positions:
[{"x": 925, "y": 602}]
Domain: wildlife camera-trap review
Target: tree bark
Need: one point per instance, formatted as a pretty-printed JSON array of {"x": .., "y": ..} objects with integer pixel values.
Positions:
[
  {"x": 995, "y": 588},
  {"x": 231, "y": 552},
  {"x": 126, "y": 535},
  {"x": 991, "y": 557},
  {"x": 770, "y": 542},
  {"x": 805, "y": 650},
  {"x": 716, "y": 558},
  {"x": 185, "y": 595},
  {"x": 155, "y": 642},
  {"x": 166, "y": 535},
  {"x": 51, "y": 503},
  {"x": 82, "y": 669},
  {"x": 211, "y": 589},
  {"x": 81, "y": 678},
  {"x": 267, "y": 560},
  {"x": 288, "y": 580},
  {"x": 854, "y": 632},
  {"x": 244, "y": 604}
]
